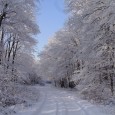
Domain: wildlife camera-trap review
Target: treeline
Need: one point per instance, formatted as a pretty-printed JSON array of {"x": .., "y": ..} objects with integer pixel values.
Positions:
[
  {"x": 17, "y": 28},
  {"x": 82, "y": 52}
]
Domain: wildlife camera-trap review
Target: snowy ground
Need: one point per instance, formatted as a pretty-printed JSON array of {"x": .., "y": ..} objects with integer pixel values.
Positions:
[{"x": 60, "y": 102}]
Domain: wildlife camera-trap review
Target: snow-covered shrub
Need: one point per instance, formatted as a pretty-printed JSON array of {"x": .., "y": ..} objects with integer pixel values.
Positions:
[
  {"x": 31, "y": 79},
  {"x": 89, "y": 87}
]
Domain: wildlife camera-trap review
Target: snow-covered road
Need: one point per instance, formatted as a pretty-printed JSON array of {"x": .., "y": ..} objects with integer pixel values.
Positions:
[{"x": 60, "y": 102}]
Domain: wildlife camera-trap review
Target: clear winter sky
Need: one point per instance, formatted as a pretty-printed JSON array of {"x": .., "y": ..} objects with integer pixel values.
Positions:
[{"x": 50, "y": 19}]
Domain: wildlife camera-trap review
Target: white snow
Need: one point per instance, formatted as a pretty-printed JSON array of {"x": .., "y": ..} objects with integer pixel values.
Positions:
[{"x": 61, "y": 102}]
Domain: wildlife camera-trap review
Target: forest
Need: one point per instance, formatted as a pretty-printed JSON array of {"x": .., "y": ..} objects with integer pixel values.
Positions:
[
  {"x": 80, "y": 56},
  {"x": 17, "y": 30}
]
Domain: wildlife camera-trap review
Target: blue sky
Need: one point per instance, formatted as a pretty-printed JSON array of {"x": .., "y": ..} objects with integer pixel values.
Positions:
[{"x": 50, "y": 19}]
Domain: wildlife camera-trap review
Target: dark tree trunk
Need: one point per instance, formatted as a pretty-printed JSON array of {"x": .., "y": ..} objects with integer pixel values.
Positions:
[
  {"x": 1, "y": 47},
  {"x": 111, "y": 82}
]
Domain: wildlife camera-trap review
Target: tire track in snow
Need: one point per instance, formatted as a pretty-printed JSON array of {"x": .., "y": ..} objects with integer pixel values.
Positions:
[
  {"x": 61, "y": 100},
  {"x": 76, "y": 104},
  {"x": 38, "y": 111},
  {"x": 57, "y": 108},
  {"x": 56, "y": 104},
  {"x": 82, "y": 108},
  {"x": 66, "y": 109},
  {"x": 68, "y": 102}
]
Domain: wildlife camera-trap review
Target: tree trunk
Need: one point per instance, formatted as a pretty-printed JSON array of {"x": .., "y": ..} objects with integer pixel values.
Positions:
[
  {"x": 3, "y": 15},
  {"x": 111, "y": 82},
  {"x": 1, "y": 47},
  {"x": 14, "y": 56}
]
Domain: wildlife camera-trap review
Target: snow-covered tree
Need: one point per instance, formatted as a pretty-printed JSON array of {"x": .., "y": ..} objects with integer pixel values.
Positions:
[
  {"x": 17, "y": 24},
  {"x": 17, "y": 29},
  {"x": 58, "y": 58},
  {"x": 83, "y": 50},
  {"x": 98, "y": 17},
  {"x": 93, "y": 22}
]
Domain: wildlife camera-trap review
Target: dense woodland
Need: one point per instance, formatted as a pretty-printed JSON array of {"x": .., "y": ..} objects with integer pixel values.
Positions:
[
  {"x": 81, "y": 54},
  {"x": 17, "y": 65}
]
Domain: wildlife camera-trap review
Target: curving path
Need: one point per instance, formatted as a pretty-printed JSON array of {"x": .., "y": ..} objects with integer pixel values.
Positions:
[{"x": 59, "y": 102}]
